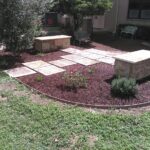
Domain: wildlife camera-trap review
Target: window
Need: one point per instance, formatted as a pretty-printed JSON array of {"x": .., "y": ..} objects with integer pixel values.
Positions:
[{"x": 139, "y": 9}]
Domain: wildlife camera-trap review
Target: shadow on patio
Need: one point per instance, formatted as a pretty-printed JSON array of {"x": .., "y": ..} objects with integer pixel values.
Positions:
[{"x": 107, "y": 39}]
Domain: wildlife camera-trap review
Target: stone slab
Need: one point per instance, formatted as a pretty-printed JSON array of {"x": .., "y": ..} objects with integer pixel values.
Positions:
[
  {"x": 49, "y": 70},
  {"x": 19, "y": 72},
  {"x": 134, "y": 57},
  {"x": 62, "y": 63},
  {"x": 86, "y": 61},
  {"x": 103, "y": 52},
  {"x": 107, "y": 60},
  {"x": 72, "y": 51},
  {"x": 35, "y": 64},
  {"x": 96, "y": 51},
  {"x": 91, "y": 55},
  {"x": 52, "y": 37},
  {"x": 81, "y": 60},
  {"x": 72, "y": 57},
  {"x": 134, "y": 65}
]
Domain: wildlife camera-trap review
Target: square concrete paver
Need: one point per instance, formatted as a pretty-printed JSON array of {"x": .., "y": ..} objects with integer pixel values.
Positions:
[
  {"x": 49, "y": 70},
  {"x": 91, "y": 55},
  {"x": 96, "y": 51},
  {"x": 72, "y": 57},
  {"x": 36, "y": 64},
  {"x": 86, "y": 61},
  {"x": 19, "y": 72},
  {"x": 62, "y": 63},
  {"x": 107, "y": 60},
  {"x": 81, "y": 60},
  {"x": 72, "y": 51}
]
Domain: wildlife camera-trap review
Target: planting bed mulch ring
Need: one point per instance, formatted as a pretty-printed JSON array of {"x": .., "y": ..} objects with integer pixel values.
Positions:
[{"x": 96, "y": 94}]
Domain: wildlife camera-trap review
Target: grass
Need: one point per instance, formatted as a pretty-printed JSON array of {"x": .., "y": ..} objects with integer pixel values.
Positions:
[{"x": 28, "y": 126}]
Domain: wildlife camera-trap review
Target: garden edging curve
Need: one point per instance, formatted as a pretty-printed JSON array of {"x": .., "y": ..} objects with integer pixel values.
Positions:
[{"x": 87, "y": 105}]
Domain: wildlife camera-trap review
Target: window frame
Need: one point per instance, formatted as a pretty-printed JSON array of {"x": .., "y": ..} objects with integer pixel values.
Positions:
[{"x": 140, "y": 9}]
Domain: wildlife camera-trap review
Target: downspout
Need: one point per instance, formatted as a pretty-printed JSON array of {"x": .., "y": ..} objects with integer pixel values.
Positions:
[{"x": 117, "y": 15}]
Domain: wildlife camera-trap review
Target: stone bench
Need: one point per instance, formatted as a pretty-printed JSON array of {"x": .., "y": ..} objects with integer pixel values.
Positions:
[
  {"x": 50, "y": 43},
  {"x": 133, "y": 65}
]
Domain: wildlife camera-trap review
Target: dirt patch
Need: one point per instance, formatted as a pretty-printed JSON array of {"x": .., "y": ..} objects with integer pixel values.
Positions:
[
  {"x": 3, "y": 98},
  {"x": 91, "y": 140},
  {"x": 36, "y": 98},
  {"x": 132, "y": 111},
  {"x": 21, "y": 93},
  {"x": 8, "y": 86}
]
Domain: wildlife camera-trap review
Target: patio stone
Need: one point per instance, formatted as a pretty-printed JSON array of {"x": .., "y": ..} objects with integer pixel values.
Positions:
[
  {"x": 19, "y": 72},
  {"x": 96, "y": 51},
  {"x": 86, "y": 61},
  {"x": 91, "y": 55},
  {"x": 62, "y": 63},
  {"x": 72, "y": 57},
  {"x": 81, "y": 60},
  {"x": 36, "y": 64},
  {"x": 107, "y": 60},
  {"x": 72, "y": 51},
  {"x": 103, "y": 52},
  {"x": 49, "y": 70}
]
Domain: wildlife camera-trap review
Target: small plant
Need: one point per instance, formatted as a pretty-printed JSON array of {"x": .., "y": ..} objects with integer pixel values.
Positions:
[
  {"x": 75, "y": 80},
  {"x": 39, "y": 78},
  {"x": 91, "y": 70},
  {"x": 124, "y": 87}
]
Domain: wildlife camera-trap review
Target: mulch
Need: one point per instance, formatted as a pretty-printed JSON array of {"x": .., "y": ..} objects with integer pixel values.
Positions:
[{"x": 97, "y": 92}]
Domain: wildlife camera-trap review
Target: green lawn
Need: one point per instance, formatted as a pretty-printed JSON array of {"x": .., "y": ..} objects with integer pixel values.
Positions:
[{"x": 28, "y": 126}]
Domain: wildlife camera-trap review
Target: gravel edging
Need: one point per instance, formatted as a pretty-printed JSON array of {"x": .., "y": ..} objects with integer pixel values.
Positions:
[{"x": 87, "y": 105}]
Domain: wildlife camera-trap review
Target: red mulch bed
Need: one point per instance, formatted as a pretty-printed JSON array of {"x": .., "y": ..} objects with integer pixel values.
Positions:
[{"x": 98, "y": 90}]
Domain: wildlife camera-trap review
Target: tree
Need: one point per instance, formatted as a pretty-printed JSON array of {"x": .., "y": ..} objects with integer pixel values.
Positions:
[
  {"x": 80, "y": 8},
  {"x": 20, "y": 21}
]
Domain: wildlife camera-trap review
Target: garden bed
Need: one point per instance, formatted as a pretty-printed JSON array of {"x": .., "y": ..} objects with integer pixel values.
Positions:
[{"x": 96, "y": 93}]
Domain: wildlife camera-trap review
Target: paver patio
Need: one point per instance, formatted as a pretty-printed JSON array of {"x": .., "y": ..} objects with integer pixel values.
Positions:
[
  {"x": 84, "y": 57},
  {"x": 19, "y": 72},
  {"x": 62, "y": 63}
]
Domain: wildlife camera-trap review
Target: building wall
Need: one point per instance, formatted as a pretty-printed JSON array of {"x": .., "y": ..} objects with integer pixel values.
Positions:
[{"x": 118, "y": 15}]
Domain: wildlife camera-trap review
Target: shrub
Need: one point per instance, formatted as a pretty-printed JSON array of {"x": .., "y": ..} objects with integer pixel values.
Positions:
[
  {"x": 124, "y": 87},
  {"x": 75, "y": 80},
  {"x": 39, "y": 78},
  {"x": 20, "y": 22}
]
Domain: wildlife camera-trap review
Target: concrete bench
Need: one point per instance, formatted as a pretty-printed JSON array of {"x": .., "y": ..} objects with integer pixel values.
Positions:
[
  {"x": 50, "y": 43},
  {"x": 134, "y": 64}
]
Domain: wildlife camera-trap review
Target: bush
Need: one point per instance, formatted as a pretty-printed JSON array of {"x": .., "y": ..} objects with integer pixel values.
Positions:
[
  {"x": 20, "y": 22},
  {"x": 39, "y": 78},
  {"x": 75, "y": 80},
  {"x": 124, "y": 88}
]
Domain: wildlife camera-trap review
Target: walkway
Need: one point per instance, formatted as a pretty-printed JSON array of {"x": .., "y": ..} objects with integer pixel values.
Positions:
[{"x": 75, "y": 56}]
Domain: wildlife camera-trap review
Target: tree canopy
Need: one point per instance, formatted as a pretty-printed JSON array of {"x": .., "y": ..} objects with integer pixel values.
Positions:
[{"x": 80, "y": 8}]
